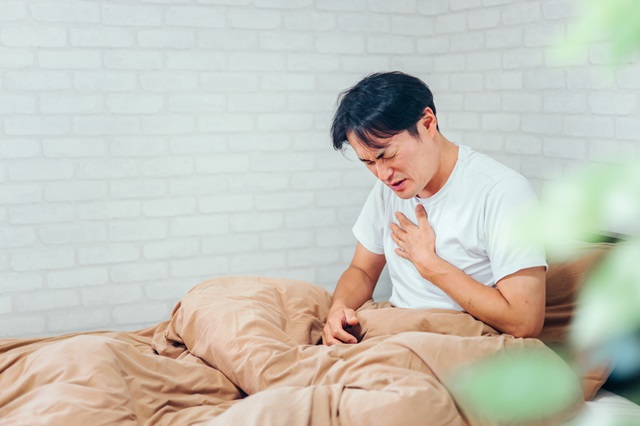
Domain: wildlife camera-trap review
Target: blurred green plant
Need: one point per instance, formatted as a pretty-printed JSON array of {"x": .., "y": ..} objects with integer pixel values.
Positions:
[{"x": 591, "y": 205}]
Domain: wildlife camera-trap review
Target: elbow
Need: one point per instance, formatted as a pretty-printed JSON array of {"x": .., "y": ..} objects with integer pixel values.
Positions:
[{"x": 527, "y": 330}]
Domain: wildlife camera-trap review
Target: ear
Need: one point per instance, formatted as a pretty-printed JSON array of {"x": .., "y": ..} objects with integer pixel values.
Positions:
[{"x": 429, "y": 121}]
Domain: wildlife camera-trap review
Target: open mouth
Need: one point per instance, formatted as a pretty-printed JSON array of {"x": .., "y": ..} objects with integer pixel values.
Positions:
[{"x": 398, "y": 185}]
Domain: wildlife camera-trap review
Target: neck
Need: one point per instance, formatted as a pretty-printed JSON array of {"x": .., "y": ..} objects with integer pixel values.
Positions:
[{"x": 448, "y": 159}]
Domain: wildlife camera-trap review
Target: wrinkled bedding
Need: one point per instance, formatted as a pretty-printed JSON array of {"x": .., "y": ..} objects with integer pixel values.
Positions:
[{"x": 245, "y": 351}]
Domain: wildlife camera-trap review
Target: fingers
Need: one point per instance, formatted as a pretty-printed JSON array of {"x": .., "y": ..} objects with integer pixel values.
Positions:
[
  {"x": 334, "y": 332},
  {"x": 403, "y": 221},
  {"x": 421, "y": 214},
  {"x": 403, "y": 254}
]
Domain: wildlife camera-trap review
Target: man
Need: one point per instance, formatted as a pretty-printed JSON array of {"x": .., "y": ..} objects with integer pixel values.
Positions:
[{"x": 441, "y": 216}]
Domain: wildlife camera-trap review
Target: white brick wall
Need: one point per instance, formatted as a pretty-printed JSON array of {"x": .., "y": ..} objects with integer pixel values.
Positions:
[{"x": 147, "y": 145}]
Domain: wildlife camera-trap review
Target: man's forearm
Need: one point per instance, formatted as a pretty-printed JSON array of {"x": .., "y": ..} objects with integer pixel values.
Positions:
[{"x": 353, "y": 289}]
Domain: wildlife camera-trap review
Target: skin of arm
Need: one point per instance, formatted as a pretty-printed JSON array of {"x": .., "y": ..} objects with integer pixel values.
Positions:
[
  {"x": 354, "y": 287},
  {"x": 515, "y": 306}
]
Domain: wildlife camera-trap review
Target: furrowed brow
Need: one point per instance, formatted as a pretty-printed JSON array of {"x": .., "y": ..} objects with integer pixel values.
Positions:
[{"x": 364, "y": 160}]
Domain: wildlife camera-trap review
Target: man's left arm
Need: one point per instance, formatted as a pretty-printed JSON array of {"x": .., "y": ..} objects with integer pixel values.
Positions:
[{"x": 515, "y": 306}]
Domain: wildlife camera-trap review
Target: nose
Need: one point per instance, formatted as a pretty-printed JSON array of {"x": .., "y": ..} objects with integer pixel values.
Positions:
[{"x": 383, "y": 172}]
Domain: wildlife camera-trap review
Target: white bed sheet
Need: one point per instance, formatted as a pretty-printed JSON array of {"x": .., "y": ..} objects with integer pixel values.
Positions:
[{"x": 608, "y": 409}]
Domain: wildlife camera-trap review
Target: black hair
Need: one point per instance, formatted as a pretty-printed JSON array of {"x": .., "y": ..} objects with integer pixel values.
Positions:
[{"x": 380, "y": 105}]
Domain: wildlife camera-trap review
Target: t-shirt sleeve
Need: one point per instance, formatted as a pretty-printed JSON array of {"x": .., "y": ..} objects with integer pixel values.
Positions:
[
  {"x": 369, "y": 228},
  {"x": 509, "y": 213}
]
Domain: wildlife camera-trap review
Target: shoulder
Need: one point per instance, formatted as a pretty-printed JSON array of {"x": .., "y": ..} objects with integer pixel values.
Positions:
[{"x": 490, "y": 176}]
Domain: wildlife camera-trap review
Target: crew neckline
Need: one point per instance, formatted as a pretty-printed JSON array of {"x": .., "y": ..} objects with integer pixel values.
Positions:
[{"x": 442, "y": 192}]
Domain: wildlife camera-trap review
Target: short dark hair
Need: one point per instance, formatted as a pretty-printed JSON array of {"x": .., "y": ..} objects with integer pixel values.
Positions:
[{"x": 380, "y": 105}]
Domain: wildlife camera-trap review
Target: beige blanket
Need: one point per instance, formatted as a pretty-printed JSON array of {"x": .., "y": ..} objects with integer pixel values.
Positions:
[{"x": 244, "y": 351}]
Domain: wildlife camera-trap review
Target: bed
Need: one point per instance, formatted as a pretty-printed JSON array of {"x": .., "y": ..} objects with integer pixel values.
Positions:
[{"x": 244, "y": 350}]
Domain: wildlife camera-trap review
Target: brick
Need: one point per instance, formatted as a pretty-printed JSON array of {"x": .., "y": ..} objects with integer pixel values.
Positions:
[
  {"x": 286, "y": 41},
  {"x": 543, "y": 34},
  {"x": 433, "y": 45},
  {"x": 104, "y": 81},
  {"x": 523, "y": 145},
  {"x": 36, "y": 260},
  {"x": 252, "y": 222},
  {"x": 483, "y": 18},
  {"x": 68, "y": 322},
  {"x": 191, "y": 17},
  {"x": 106, "y": 125},
  {"x": 21, "y": 282},
  {"x": 75, "y": 191},
  {"x": 364, "y": 23},
  {"x": 284, "y": 4},
  {"x": 65, "y": 12},
  {"x": 522, "y": 13},
  {"x": 16, "y": 237},
  {"x": 21, "y": 326},
  {"x": 202, "y": 185},
  {"x": 247, "y": 263},
  {"x": 397, "y": 6},
  {"x": 285, "y": 121},
  {"x": 167, "y": 39},
  {"x": 522, "y": 58},
  {"x": 450, "y": 23},
  {"x": 171, "y": 249},
  {"x": 140, "y": 272},
  {"x": 15, "y": 58},
  {"x": 100, "y": 37},
  {"x": 565, "y": 103},
  {"x": 71, "y": 105},
  {"x": 149, "y": 313},
  {"x": 19, "y": 148},
  {"x": 12, "y": 10},
  {"x": 204, "y": 61},
  {"x": 590, "y": 78},
  {"x": 287, "y": 82},
  {"x": 135, "y": 60},
  {"x": 41, "y": 170},
  {"x": 628, "y": 77},
  {"x": 37, "y": 80},
  {"x": 209, "y": 144},
  {"x": 345, "y": 197},
  {"x": 109, "y": 253},
  {"x": 287, "y": 240},
  {"x": 342, "y": 6},
  {"x": 167, "y": 167},
  {"x": 463, "y": 120},
  {"x": 259, "y": 182},
  {"x": 37, "y": 214},
  {"x": 464, "y": 4},
  {"x": 37, "y": 126},
  {"x": 336, "y": 236},
  {"x": 137, "y": 231},
  {"x": 627, "y": 128},
  {"x": 312, "y": 257},
  {"x": 109, "y": 210},
  {"x": 503, "y": 38},
  {"x": 197, "y": 103},
  {"x": 33, "y": 37},
  {"x": 138, "y": 16},
  {"x": 77, "y": 278},
  {"x": 521, "y": 102},
  {"x": 390, "y": 44},
  {"x": 556, "y": 57},
  {"x": 217, "y": 2},
  {"x": 607, "y": 103},
  {"x": 259, "y": 142},
  {"x": 542, "y": 123},
  {"x": 505, "y": 122},
  {"x": 310, "y": 21},
  {"x": 467, "y": 42},
  {"x": 138, "y": 188},
  {"x": 230, "y": 163},
  {"x": 47, "y": 301},
  {"x": 289, "y": 200},
  {"x": 483, "y": 61},
  {"x": 257, "y": 102},
  {"x": 17, "y": 105},
  {"x": 255, "y": 19},
  {"x": 169, "y": 289},
  {"x": 231, "y": 244},
  {"x": 547, "y": 79},
  {"x": 611, "y": 150},
  {"x": 542, "y": 168},
  {"x": 134, "y": 104},
  {"x": 482, "y": 102},
  {"x": 229, "y": 122},
  {"x": 450, "y": 63},
  {"x": 282, "y": 162},
  {"x": 575, "y": 149},
  {"x": 207, "y": 267},
  {"x": 559, "y": 9},
  {"x": 168, "y": 125},
  {"x": 204, "y": 225},
  {"x": 504, "y": 80},
  {"x": 228, "y": 39},
  {"x": 358, "y": 179},
  {"x": 365, "y": 64},
  {"x": 340, "y": 44},
  {"x": 257, "y": 62},
  {"x": 169, "y": 207},
  {"x": 316, "y": 180},
  {"x": 228, "y": 82},
  {"x": 432, "y": 7},
  {"x": 589, "y": 126}
]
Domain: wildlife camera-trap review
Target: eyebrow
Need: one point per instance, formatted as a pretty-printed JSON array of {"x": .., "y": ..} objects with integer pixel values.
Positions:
[{"x": 364, "y": 160}]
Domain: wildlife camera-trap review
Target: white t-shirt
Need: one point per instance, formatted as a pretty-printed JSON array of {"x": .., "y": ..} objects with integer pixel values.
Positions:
[{"x": 476, "y": 216}]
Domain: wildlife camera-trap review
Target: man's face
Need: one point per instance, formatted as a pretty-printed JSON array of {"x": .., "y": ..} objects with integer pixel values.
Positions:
[{"x": 406, "y": 163}]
